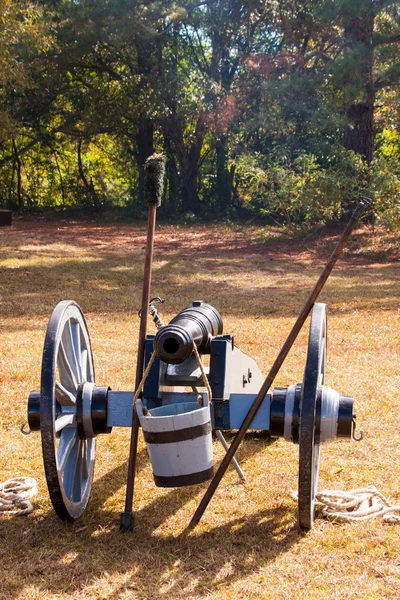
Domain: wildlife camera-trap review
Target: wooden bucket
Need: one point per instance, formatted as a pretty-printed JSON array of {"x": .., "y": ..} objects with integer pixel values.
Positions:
[{"x": 179, "y": 442}]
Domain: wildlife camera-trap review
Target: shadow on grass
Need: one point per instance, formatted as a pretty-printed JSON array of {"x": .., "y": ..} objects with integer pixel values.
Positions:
[
  {"x": 241, "y": 286},
  {"x": 101, "y": 268},
  {"x": 77, "y": 561},
  {"x": 52, "y": 558}
]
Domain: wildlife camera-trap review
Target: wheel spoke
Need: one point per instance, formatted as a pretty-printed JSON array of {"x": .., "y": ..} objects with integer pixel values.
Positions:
[
  {"x": 86, "y": 458},
  {"x": 69, "y": 347},
  {"x": 64, "y": 397},
  {"x": 78, "y": 488},
  {"x": 70, "y": 469},
  {"x": 84, "y": 364},
  {"x": 63, "y": 421},
  {"x": 77, "y": 346},
  {"x": 67, "y": 376},
  {"x": 68, "y": 439}
]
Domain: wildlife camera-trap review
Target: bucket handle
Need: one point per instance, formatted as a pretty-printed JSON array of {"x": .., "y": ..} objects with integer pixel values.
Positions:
[
  {"x": 147, "y": 371},
  {"x": 203, "y": 374}
]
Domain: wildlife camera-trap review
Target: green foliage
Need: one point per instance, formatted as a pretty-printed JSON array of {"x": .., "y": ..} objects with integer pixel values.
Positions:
[
  {"x": 49, "y": 176},
  {"x": 386, "y": 187},
  {"x": 250, "y": 101},
  {"x": 298, "y": 191}
]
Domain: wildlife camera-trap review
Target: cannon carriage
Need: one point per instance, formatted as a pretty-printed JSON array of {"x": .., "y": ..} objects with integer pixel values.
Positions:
[{"x": 71, "y": 409}]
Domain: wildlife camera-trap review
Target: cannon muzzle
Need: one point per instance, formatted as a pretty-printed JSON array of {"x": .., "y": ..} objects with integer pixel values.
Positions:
[{"x": 196, "y": 323}]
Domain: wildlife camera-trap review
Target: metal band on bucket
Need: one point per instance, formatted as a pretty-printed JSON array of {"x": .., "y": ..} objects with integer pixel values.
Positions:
[
  {"x": 182, "y": 480},
  {"x": 177, "y": 435}
]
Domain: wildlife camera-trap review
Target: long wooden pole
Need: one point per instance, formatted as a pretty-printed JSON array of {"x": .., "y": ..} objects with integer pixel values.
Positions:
[
  {"x": 154, "y": 174},
  {"x": 275, "y": 368}
]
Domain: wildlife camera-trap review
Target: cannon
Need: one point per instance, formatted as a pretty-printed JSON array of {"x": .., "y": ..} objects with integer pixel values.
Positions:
[
  {"x": 71, "y": 409},
  {"x": 197, "y": 324}
]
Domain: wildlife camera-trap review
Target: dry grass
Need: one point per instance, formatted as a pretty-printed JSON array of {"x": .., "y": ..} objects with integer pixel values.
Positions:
[{"x": 247, "y": 545}]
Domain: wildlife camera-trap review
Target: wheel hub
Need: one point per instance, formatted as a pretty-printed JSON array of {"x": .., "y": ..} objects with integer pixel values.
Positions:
[
  {"x": 91, "y": 410},
  {"x": 334, "y": 414}
]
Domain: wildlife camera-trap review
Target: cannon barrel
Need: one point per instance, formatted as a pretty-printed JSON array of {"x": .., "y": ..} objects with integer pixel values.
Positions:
[{"x": 197, "y": 323}]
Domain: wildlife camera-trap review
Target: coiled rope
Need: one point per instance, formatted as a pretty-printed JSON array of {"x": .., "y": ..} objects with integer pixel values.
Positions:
[
  {"x": 14, "y": 494},
  {"x": 361, "y": 504}
]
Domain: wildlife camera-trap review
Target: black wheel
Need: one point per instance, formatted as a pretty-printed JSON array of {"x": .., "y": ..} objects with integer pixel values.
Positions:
[
  {"x": 66, "y": 365},
  {"x": 309, "y": 448}
]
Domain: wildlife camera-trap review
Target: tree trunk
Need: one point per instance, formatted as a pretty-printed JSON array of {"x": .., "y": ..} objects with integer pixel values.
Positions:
[
  {"x": 19, "y": 179},
  {"x": 63, "y": 196},
  {"x": 173, "y": 194},
  {"x": 10, "y": 197},
  {"x": 359, "y": 134},
  {"x": 145, "y": 148},
  {"x": 170, "y": 75},
  {"x": 188, "y": 159},
  {"x": 189, "y": 171},
  {"x": 54, "y": 152},
  {"x": 190, "y": 199},
  {"x": 145, "y": 49},
  {"x": 224, "y": 189},
  {"x": 89, "y": 186}
]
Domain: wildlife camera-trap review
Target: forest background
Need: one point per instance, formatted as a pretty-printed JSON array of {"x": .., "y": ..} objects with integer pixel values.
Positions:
[{"x": 279, "y": 110}]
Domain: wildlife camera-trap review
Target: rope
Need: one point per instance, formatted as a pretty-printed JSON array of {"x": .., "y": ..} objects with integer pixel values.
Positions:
[
  {"x": 203, "y": 373},
  {"x": 14, "y": 494},
  {"x": 147, "y": 371},
  {"x": 357, "y": 505}
]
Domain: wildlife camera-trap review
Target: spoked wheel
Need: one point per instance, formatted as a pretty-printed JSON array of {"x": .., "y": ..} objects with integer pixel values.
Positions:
[
  {"x": 67, "y": 369},
  {"x": 310, "y": 410}
]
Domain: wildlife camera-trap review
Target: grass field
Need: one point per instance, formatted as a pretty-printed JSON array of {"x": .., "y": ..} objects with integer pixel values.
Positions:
[{"x": 247, "y": 545}]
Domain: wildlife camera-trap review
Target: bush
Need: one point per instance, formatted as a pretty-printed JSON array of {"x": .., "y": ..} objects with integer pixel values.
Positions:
[
  {"x": 386, "y": 189},
  {"x": 299, "y": 191}
]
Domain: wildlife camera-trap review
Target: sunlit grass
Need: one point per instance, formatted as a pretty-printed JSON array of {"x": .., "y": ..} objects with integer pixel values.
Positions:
[{"x": 247, "y": 545}]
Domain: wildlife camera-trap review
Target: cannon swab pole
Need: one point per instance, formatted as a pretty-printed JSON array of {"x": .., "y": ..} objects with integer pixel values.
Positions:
[
  {"x": 154, "y": 178},
  {"x": 275, "y": 367}
]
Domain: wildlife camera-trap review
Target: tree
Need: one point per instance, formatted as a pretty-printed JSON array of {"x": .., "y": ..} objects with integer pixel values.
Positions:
[
  {"x": 282, "y": 94},
  {"x": 369, "y": 62}
]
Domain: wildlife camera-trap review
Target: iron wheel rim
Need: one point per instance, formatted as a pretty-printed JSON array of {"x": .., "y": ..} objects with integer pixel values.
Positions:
[
  {"x": 309, "y": 447},
  {"x": 67, "y": 363}
]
